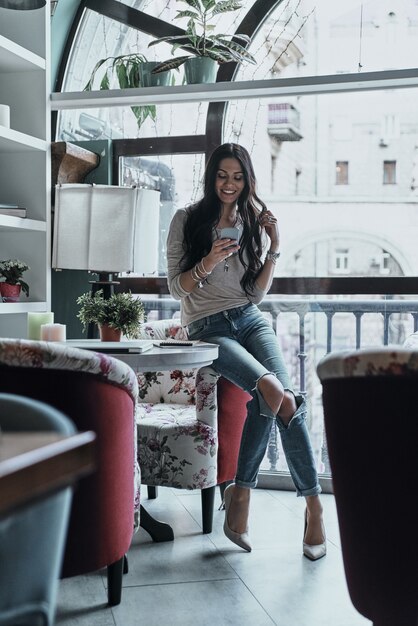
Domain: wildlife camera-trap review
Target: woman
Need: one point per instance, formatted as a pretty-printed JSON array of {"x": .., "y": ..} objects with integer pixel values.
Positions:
[{"x": 219, "y": 282}]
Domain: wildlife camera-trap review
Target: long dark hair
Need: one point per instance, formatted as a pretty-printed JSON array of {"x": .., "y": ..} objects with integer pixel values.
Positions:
[{"x": 203, "y": 216}]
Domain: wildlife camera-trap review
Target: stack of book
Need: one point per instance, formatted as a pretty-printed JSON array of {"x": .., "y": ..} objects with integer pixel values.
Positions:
[{"x": 12, "y": 209}]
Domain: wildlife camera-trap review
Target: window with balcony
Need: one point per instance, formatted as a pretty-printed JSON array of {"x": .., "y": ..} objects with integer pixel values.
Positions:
[
  {"x": 389, "y": 172},
  {"x": 341, "y": 173},
  {"x": 341, "y": 261}
]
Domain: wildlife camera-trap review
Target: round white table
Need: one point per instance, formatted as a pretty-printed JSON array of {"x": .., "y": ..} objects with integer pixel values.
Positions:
[{"x": 155, "y": 359}]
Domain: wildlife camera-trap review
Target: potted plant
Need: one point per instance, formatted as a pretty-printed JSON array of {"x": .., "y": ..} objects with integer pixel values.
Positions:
[
  {"x": 205, "y": 47},
  {"x": 130, "y": 70},
  {"x": 12, "y": 271},
  {"x": 121, "y": 313}
]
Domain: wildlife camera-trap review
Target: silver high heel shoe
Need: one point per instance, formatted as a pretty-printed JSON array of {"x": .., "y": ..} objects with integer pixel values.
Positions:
[
  {"x": 317, "y": 551},
  {"x": 242, "y": 540}
]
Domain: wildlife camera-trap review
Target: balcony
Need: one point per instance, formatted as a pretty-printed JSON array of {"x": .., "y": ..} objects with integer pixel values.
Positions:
[
  {"x": 307, "y": 329},
  {"x": 283, "y": 122}
]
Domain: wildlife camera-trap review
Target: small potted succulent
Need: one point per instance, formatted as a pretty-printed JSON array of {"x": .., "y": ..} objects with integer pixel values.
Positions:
[
  {"x": 205, "y": 49},
  {"x": 122, "y": 313},
  {"x": 12, "y": 271}
]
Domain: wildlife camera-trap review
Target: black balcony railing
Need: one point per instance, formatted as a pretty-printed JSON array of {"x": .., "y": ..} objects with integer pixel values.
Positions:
[
  {"x": 309, "y": 327},
  {"x": 163, "y": 308}
]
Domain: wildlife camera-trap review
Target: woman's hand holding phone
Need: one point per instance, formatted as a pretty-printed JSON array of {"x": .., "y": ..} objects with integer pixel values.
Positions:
[{"x": 230, "y": 233}]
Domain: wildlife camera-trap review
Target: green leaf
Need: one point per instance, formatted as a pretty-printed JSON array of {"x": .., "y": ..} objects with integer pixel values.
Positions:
[
  {"x": 208, "y": 4},
  {"x": 170, "y": 39},
  {"x": 170, "y": 64},
  {"x": 104, "y": 82},
  {"x": 98, "y": 65},
  {"x": 236, "y": 51},
  {"x": 226, "y": 6},
  {"x": 217, "y": 56},
  {"x": 133, "y": 75},
  {"x": 122, "y": 75},
  {"x": 191, "y": 14}
]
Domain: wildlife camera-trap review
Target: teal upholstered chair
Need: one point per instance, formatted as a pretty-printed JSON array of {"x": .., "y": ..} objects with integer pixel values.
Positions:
[{"x": 32, "y": 539}]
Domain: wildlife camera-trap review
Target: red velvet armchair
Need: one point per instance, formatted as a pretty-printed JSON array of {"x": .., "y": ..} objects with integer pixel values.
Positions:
[
  {"x": 97, "y": 393},
  {"x": 369, "y": 399}
]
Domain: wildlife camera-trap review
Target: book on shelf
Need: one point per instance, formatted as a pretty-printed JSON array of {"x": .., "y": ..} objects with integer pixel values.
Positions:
[{"x": 12, "y": 210}]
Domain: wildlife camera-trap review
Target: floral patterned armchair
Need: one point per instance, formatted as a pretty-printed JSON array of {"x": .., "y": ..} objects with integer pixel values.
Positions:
[{"x": 182, "y": 442}]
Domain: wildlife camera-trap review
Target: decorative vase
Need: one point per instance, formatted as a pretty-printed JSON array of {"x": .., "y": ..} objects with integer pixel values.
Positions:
[
  {"x": 200, "y": 70},
  {"x": 147, "y": 79},
  {"x": 10, "y": 293},
  {"x": 108, "y": 333}
]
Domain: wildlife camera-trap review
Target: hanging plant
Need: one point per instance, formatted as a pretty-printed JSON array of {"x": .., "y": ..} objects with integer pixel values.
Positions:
[{"x": 126, "y": 70}]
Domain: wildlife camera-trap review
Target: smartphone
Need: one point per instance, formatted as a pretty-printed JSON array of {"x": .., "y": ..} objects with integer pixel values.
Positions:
[{"x": 230, "y": 233}]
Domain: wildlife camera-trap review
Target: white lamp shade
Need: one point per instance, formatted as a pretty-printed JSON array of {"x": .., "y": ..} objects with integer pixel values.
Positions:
[
  {"x": 22, "y": 5},
  {"x": 104, "y": 228}
]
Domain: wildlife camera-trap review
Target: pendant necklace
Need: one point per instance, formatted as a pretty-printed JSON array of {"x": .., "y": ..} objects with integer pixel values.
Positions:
[{"x": 226, "y": 266}]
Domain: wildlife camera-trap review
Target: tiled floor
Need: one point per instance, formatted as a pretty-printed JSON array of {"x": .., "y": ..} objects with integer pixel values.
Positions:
[{"x": 204, "y": 580}]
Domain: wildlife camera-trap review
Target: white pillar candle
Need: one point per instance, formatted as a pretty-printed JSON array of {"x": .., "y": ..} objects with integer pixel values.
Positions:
[
  {"x": 5, "y": 115},
  {"x": 53, "y": 332},
  {"x": 35, "y": 321}
]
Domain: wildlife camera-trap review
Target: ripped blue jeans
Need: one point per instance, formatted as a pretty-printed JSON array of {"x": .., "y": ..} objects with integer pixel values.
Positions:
[{"x": 248, "y": 350}]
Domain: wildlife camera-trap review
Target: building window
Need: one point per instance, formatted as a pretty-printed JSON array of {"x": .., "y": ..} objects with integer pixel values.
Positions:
[
  {"x": 384, "y": 263},
  {"x": 389, "y": 172},
  {"x": 390, "y": 127},
  {"x": 341, "y": 261},
  {"x": 341, "y": 173}
]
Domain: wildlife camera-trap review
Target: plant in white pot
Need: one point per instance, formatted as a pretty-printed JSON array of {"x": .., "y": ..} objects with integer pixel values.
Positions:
[
  {"x": 206, "y": 48},
  {"x": 122, "y": 312},
  {"x": 128, "y": 71}
]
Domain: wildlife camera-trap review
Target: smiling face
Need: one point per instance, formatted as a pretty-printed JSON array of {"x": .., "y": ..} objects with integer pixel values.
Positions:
[{"x": 230, "y": 181}]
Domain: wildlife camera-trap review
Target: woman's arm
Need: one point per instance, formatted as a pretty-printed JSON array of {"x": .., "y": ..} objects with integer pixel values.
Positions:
[{"x": 181, "y": 284}]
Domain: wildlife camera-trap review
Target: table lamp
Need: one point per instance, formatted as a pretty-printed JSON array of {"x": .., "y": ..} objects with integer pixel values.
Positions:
[
  {"x": 106, "y": 229},
  {"x": 22, "y": 5}
]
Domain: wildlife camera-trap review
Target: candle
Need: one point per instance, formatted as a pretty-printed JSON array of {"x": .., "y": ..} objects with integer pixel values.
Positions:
[
  {"x": 53, "y": 332},
  {"x": 35, "y": 321},
  {"x": 5, "y": 115}
]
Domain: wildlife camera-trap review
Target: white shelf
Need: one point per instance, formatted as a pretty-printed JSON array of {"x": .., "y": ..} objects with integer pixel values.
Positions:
[
  {"x": 10, "y": 222},
  {"x": 15, "y": 141},
  {"x": 222, "y": 91},
  {"x": 21, "y": 307},
  {"x": 25, "y": 158},
  {"x": 15, "y": 58}
]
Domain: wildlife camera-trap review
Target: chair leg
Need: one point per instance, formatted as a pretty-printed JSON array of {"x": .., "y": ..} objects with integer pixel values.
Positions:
[
  {"x": 208, "y": 501},
  {"x": 114, "y": 582},
  {"x": 125, "y": 564},
  {"x": 152, "y": 493},
  {"x": 158, "y": 531}
]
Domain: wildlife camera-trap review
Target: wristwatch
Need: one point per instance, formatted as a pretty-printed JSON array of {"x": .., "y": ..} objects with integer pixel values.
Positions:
[{"x": 272, "y": 256}]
